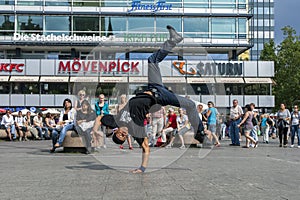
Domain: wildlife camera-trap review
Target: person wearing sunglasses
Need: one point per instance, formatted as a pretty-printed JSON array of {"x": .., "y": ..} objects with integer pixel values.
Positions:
[{"x": 81, "y": 98}]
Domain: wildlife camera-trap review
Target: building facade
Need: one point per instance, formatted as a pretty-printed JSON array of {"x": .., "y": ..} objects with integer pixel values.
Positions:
[
  {"x": 51, "y": 49},
  {"x": 262, "y": 26}
]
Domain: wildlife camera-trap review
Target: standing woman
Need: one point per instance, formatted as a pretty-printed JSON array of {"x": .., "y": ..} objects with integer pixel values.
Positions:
[
  {"x": 101, "y": 108},
  {"x": 283, "y": 117},
  {"x": 123, "y": 102},
  {"x": 81, "y": 98},
  {"x": 212, "y": 115},
  {"x": 295, "y": 117},
  {"x": 66, "y": 121},
  {"x": 247, "y": 120}
]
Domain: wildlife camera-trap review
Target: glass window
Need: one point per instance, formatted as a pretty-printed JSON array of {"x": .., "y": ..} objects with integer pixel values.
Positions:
[
  {"x": 161, "y": 23},
  {"x": 85, "y": 25},
  {"x": 116, "y": 3},
  {"x": 30, "y": 2},
  {"x": 87, "y": 3},
  {"x": 7, "y": 2},
  {"x": 266, "y": 11},
  {"x": 195, "y": 3},
  {"x": 54, "y": 88},
  {"x": 221, "y": 31},
  {"x": 57, "y": 25},
  {"x": 195, "y": 27},
  {"x": 113, "y": 25},
  {"x": 135, "y": 24},
  {"x": 30, "y": 24},
  {"x": 7, "y": 23},
  {"x": 223, "y": 3},
  {"x": 25, "y": 88},
  {"x": 4, "y": 88},
  {"x": 57, "y": 3}
]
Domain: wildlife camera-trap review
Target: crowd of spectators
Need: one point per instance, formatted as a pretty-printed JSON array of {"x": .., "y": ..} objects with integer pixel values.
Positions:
[{"x": 162, "y": 127}]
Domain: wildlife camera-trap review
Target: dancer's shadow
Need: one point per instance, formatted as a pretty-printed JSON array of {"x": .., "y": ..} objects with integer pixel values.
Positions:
[{"x": 89, "y": 165}]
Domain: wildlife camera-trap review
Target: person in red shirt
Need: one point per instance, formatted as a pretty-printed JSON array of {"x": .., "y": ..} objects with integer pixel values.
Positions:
[{"x": 171, "y": 125}]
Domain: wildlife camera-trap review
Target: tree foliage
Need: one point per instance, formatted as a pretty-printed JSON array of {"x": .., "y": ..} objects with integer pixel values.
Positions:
[{"x": 286, "y": 57}]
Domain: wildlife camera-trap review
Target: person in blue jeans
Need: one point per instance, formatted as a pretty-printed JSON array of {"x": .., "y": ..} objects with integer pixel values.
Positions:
[
  {"x": 295, "y": 117},
  {"x": 236, "y": 113},
  {"x": 132, "y": 117},
  {"x": 66, "y": 121}
]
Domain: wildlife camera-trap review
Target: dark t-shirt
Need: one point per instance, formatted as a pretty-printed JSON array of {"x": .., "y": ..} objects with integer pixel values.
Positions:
[
  {"x": 134, "y": 114},
  {"x": 88, "y": 117}
]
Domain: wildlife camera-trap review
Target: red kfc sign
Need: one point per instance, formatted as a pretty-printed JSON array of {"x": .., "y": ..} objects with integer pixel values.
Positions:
[{"x": 9, "y": 67}]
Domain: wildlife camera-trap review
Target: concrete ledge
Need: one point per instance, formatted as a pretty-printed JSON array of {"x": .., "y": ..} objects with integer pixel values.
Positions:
[
  {"x": 72, "y": 140},
  {"x": 3, "y": 134}
]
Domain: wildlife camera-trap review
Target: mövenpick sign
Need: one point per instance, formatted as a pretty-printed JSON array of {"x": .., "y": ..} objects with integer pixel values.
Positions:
[{"x": 94, "y": 66}]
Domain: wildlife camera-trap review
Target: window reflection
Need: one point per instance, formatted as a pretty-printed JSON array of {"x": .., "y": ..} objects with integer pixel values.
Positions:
[
  {"x": 113, "y": 25},
  {"x": 30, "y": 24},
  {"x": 54, "y": 88},
  {"x": 161, "y": 23},
  {"x": 25, "y": 88},
  {"x": 57, "y": 25},
  {"x": 196, "y": 27},
  {"x": 7, "y": 24},
  {"x": 85, "y": 25}
]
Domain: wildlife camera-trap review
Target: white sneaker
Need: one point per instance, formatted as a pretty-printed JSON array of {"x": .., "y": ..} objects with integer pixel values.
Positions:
[
  {"x": 200, "y": 145},
  {"x": 168, "y": 146},
  {"x": 182, "y": 147},
  {"x": 299, "y": 147},
  {"x": 292, "y": 146}
]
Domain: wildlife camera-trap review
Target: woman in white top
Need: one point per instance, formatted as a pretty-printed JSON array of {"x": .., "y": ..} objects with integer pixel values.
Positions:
[
  {"x": 9, "y": 124},
  {"x": 66, "y": 121}
]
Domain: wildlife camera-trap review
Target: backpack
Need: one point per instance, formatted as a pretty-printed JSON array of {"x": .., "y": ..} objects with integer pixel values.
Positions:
[{"x": 254, "y": 121}]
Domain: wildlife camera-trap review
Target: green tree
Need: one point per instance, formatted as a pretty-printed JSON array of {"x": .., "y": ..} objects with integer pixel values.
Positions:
[{"x": 286, "y": 57}]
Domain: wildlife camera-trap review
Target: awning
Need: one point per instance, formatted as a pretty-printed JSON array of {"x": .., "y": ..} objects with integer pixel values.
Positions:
[
  {"x": 51, "y": 79},
  {"x": 24, "y": 79},
  {"x": 173, "y": 79},
  {"x": 113, "y": 79},
  {"x": 84, "y": 79},
  {"x": 4, "y": 78},
  {"x": 200, "y": 80},
  {"x": 138, "y": 79},
  {"x": 229, "y": 80},
  {"x": 258, "y": 80}
]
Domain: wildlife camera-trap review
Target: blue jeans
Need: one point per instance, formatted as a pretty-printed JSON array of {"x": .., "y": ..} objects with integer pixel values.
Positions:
[
  {"x": 295, "y": 129},
  {"x": 234, "y": 132},
  {"x": 253, "y": 133},
  {"x": 40, "y": 131},
  {"x": 167, "y": 97},
  {"x": 63, "y": 132},
  {"x": 12, "y": 130},
  {"x": 54, "y": 137}
]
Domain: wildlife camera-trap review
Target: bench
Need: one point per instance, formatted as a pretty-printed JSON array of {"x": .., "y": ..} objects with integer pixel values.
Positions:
[
  {"x": 3, "y": 134},
  {"x": 73, "y": 142}
]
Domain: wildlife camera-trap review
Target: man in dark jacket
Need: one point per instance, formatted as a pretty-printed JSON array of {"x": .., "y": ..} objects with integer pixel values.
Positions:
[{"x": 132, "y": 117}]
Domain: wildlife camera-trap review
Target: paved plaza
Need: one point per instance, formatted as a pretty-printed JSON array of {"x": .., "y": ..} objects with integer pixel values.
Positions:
[{"x": 28, "y": 171}]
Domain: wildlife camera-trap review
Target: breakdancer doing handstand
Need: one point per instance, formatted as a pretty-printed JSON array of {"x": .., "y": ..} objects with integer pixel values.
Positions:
[{"x": 131, "y": 118}]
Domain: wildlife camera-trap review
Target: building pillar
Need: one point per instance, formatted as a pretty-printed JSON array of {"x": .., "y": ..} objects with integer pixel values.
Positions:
[
  {"x": 74, "y": 54},
  {"x": 127, "y": 55},
  {"x": 234, "y": 55},
  {"x": 18, "y": 52}
]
